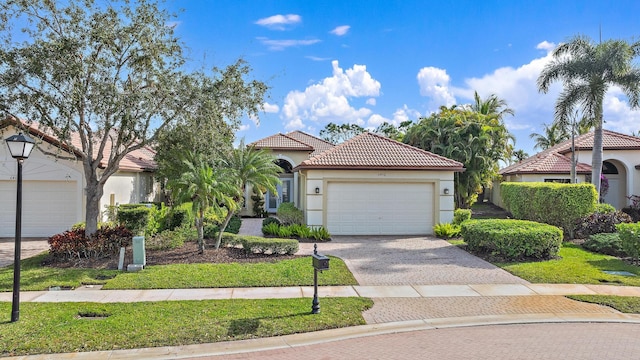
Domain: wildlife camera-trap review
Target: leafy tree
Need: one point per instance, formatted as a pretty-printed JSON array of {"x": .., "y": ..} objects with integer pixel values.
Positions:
[
  {"x": 587, "y": 70},
  {"x": 208, "y": 128},
  {"x": 477, "y": 140},
  {"x": 109, "y": 76},
  {"x": 553, "y": 135},
  {"x": 205, "y": 187},
  {"x": 247, "y": 165},
  {"x": 394, "y": 132},
  {"x": 336, "y": 134}
]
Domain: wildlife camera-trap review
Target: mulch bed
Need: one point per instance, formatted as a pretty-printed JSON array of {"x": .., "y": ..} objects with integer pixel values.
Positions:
[{"x": 186, "y": 254}]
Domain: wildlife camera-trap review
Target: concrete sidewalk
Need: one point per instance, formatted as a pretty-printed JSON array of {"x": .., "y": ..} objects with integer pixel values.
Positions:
[{"x": 95, "y": 294}]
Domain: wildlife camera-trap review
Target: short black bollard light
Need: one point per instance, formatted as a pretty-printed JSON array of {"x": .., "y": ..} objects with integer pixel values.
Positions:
[{"x": 320, "y": 262}]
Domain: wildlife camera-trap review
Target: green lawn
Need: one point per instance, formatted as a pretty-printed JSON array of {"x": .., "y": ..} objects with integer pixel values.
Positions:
[
  {"x": 59, "y": 327},
  {"x": 292, "y": 272},
  {"x": 576, "y": 266}
]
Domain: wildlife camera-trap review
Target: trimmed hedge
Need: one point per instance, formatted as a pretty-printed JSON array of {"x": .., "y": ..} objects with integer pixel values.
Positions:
[
  {"x": 460, "y": 215},
  {"x": 134, "y": 217},
  {"x": 512, "y": 239},
  {"x": 257, "y": 244},
  {"x": 630, "y": 239},
  {"x": 289, "y": 214},
  {"x": 551, "y": 203}
]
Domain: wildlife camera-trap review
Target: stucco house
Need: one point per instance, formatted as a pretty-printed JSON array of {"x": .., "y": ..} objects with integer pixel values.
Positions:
[
  {"x": 620, "y": 165},
  {"x": 53, "y": 184},
  {"x": 368, "y": 185}
]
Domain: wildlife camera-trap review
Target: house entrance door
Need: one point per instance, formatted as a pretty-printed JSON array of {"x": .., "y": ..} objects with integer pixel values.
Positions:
[{"x": 284, "y": 195}]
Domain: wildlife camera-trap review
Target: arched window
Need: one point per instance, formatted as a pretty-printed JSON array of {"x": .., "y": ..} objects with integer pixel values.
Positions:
[
  {"x": 609, "y": 168},
  {"x": 286, "y": 166}
]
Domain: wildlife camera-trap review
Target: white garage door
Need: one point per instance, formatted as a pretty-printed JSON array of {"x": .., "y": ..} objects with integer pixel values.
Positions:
[
  {"x": 380, "y": 208},
  {"x": 48, "y": 207}
]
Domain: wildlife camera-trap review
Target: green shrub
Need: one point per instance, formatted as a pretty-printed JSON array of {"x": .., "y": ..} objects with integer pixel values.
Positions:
[
  {"x": 271, "y": 229},
  {"x": 551, "y": 203},
  {"x": 319, "y": 233},
  {"x": 630, "y": 239},
  {"x": 446, "y": 230},
  {"x": 257, "y": 244},
  {"x": 178, "y": 216},
  {"x": 234, "y": 225},
  {"x": 605, "y": 243},
  {"x": 603, "y": 208},
  {"x": 460, "y": 215},
  {"x": 270, "y": 220},
  {"x": 284, "y": 232},
  {"x": 134, "y": 218},
  {"x": 512, "y": 239},
  {"x": 211, "y": 231},
  {"x": 166, "y": 240},
  {"x": 300, "y": 231},
  {"x": 274, "y": 246},
  {"x": 289, "y": 214},
  {"x": 257, "y": 197},
  {"x": 598, "y": 223}
]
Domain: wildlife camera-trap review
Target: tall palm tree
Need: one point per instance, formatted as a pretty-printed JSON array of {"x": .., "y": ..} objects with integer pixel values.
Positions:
[
  {"x": 553, "y": 135},
  {"x": 492, "y": 105},
  {"x": 248, "y": 165},
  {"x": 587, "y": 70},
  {"x": 205, "y": 187}
]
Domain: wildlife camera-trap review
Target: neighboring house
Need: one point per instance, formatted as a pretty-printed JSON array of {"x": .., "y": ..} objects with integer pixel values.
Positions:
[
  {"x": 53, "y": 184},
  {"x": 368, "y": 185},
  {"x": 621, "y": 166}
]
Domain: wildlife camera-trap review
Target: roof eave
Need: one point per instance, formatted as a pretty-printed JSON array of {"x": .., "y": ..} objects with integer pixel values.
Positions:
[{"x": 361, "y": 167}]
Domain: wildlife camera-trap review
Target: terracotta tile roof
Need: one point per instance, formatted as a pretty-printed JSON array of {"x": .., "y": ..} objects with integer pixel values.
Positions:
[
  {"x": 137, "y": 160},
  {"x": 546, "y": 162},
  {"x": 611, "y": 140},
  {"x": 371, "y": 151},
  {"x": 281, "y": 142},
  {"x": 318, "y": 145}
]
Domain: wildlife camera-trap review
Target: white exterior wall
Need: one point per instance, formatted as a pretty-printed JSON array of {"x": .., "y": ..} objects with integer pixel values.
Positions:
[
  {"x": 128, "y": 188},
  {"x": 315, "y": 204}
]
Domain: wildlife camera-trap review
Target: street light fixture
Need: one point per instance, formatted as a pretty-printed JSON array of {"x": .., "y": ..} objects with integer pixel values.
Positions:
[{"x": 20, "y": 147}]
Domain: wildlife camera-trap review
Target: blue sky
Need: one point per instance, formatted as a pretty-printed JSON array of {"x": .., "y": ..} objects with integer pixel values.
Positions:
[{"x": 366, "y": 62}]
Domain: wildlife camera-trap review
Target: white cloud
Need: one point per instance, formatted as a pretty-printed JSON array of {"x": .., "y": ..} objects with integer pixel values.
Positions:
[
  {"x": 316, "y": 58},
  {"x": 341, "y": 30},
  {"x": 371, "y": 101},
  {"x": 328, "y": 100},
  {"x": 545, "y": 45},
  {"x": 434, "y": 83},
  {"x": 244, "y": 127},
  {"x": 279, "y": 22},
  {"x": 375, "y": 120},
  {"x": 270, "y": 108},
  {"x": 277, "y": 45}
]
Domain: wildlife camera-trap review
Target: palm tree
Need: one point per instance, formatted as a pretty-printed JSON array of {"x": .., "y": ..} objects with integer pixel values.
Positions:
[
  {"x": 553, "y": 135},
  {"x": 249, "y": 166},
  {"x": 205, "y": 187},
  {"x": 492, "y": 105},
  {"x": 587, "y": 70}
]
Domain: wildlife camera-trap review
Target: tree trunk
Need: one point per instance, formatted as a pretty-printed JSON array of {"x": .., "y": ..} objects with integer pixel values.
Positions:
[
  {"x": 94, "y": 193},
  {"x": 223, "y": 227},
  {"x": 596, "y": 155},
  {"x": 200, "y": 227}
]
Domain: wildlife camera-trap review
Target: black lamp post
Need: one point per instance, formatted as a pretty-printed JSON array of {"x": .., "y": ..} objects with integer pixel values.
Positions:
[{"x": 20, "y": 147}]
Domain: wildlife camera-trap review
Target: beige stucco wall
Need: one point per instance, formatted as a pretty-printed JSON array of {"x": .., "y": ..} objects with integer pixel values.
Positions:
[
  {"x": 128, "y": 188},
  {"x": 314, "y": 204}
]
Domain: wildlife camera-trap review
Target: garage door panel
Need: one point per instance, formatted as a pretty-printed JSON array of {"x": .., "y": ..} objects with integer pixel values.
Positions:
[
  {"x": 379, "y": 208},
  {"x": 48, "y": 207}
]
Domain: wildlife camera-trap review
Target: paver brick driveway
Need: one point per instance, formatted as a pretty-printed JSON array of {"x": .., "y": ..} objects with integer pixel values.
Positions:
[{"x": 397, "y": 260}]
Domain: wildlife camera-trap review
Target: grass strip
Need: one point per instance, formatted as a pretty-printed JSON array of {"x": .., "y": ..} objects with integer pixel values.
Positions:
[
  {"x": 292, "y": 272},
  {"x": 70, "y": 327},
  {"x": 625, "y": 304}
]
